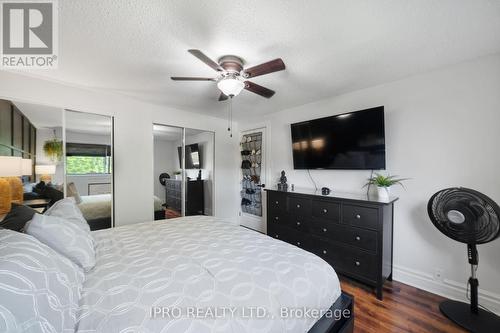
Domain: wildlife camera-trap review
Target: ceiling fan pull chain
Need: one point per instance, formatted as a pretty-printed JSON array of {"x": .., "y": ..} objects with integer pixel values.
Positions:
[
  {"x": 230, "y": 120},
  {"x": 228, "y": 117}
]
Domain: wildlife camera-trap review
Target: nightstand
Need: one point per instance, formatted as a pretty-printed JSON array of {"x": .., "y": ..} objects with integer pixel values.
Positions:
[{"x": 40, "y": 205}]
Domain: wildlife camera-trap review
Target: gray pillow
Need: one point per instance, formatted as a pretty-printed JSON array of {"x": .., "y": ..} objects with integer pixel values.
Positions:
[
  {"x": 65, "y": 237},
  {"x": 39, "y": 288},
  {"x": 68, "y": 210}
]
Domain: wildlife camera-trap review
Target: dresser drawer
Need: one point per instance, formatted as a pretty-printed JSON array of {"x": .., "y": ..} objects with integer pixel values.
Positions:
[
  {"x": 276, "y": 202},
  {"x": 356, "y": 237},
  {"x": 326, "y": 210},
  {"x": 290, "y": 236},
  {"x": 359, "y": 264},
  {"x": 276, "y": 217},
  {"x": 323, "y": 228},
  {"x": 299, "y": 206},
  {"x": 360, "y": 216},
  {"x": 298, "y": 222},
  {"x": 346, "y": 260},
  {"x": 360, "y": 238}
]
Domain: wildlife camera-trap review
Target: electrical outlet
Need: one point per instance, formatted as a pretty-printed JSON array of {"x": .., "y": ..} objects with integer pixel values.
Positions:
[{"x": 438, "y": 274}]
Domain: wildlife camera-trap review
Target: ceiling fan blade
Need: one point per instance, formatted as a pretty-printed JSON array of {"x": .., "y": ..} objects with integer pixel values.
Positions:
[
  {"x": 265, "y": 68},
  {"x": 182, "y": 78},
  {"x": 259, "y": 90},
  {"x": 200, "y": 55},
  {"x": 222, "y": 97}
]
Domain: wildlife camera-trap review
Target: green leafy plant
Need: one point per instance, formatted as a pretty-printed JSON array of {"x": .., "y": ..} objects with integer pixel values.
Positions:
[
  {"x": 177, "y": 172},
  {"x": 53, "y": 149},
  {"x": 385, "y": 181}
]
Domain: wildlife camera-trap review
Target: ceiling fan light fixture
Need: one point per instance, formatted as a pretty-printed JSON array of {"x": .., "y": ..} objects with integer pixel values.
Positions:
[{"x": 230, "y": 86}]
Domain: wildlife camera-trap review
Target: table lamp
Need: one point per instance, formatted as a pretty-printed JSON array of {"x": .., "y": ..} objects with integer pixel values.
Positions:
[
  {"x": 27, "y": 166},
  {"x": 45, "y": 172},
  {"x": 10, "y": 166}
]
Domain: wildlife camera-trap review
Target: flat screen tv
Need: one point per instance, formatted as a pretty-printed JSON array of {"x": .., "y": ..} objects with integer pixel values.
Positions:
[
  {"x": 353, "y": 141},
  {"x": 193, "y": 156}
]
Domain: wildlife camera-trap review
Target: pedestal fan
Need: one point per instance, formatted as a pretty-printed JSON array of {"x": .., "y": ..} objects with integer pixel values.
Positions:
[{"x": 469, "y": 217}]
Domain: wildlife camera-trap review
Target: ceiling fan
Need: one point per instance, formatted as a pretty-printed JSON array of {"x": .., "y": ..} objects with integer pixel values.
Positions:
[{"x": 232, "y": 77}]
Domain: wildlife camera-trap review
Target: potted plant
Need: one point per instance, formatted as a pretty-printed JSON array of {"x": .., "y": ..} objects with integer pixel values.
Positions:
[
  {"x": 384, "y": 184},
  {"x": 178, "y": 175},
  {"x": 53, "y": 149}
]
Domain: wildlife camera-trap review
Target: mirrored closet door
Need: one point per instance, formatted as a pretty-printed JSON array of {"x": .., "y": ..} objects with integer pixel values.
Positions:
[
  {"x": 168, "y": 176},
  {"x": 183, "y": 172},
  {"x": 89, "y": 165},
  {"x": 199, "y": 170}
]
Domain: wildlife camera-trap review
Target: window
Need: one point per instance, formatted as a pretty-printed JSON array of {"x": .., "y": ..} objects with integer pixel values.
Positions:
[{"x": 83, "y": 159}]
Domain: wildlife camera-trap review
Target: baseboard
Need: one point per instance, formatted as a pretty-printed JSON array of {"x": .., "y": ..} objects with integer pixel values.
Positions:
[{"x": 446, "y": 288}]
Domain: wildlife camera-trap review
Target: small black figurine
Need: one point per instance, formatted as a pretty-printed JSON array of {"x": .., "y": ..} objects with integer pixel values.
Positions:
[
  {"x": 283, "y": 186},
  {"x": 199, "y": 175}
]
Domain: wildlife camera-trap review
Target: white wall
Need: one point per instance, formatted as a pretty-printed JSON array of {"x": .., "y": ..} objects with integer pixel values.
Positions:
[
  {"x": 134, "y": 141},
  {"x": 441, "y": 130}
]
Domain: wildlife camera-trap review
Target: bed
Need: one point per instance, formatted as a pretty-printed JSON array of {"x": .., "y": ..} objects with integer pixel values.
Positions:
[
  {"x": 144, "y": 270},
  {"x": 193, "y": 274}
]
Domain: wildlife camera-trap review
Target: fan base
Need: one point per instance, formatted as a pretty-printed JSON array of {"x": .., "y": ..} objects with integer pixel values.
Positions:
[{"x": 460, "y": 313}]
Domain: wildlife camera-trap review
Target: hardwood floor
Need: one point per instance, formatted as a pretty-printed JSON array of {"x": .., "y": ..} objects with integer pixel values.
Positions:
[{"x": 404, "y": 309}]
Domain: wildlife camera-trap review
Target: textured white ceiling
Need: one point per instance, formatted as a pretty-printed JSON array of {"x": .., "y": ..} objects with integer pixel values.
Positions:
[{"x": 329, "y": 46}]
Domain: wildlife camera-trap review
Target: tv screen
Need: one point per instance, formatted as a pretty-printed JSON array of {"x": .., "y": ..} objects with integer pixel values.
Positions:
[
  {"x": 193, "y": 156},
  {"x": 353, "y": 140}
]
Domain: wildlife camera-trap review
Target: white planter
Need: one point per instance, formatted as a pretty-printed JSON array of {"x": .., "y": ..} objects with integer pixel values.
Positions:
[
  {"x": 178, "y": 177},
  {"x": 383, "y": 192}
]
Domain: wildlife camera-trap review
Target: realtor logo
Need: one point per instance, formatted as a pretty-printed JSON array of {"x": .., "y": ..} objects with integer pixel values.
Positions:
[{"x": 29, "y": 34}]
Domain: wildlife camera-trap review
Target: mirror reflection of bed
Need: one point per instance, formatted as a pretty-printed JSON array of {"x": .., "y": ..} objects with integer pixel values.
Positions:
[
  {"x": 182, "y": 171},
  {"x": 89, "y": 166}
]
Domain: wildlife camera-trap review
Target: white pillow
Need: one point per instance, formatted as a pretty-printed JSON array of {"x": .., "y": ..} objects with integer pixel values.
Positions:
[
  {"x": 68, "y": 210},
  {"x": 39, "y": 288},
  {"x": 65, "y": 237}
]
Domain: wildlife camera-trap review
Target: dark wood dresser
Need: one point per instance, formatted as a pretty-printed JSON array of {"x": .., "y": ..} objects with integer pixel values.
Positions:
[
  {"x": 195, "y": 198},
  {"x": 353, "y": 233}
]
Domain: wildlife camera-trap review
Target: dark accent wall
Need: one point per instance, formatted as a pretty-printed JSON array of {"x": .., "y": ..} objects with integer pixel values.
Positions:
[{"x": 16, "y": 132}]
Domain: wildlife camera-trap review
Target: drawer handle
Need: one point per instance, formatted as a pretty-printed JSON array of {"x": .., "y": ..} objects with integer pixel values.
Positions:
[
  {"x": 276, "y": 218},
  {"x": 358, "y": 263},
  {"x": 298, "y": 205},
  {"x": 324, "y": 251},
  {"x": 325, "y": 210},
  {"x": 298, "y": 243},
  {"x": 358, "y": 216},
  {"x": 325, "y": 230},
  {"x": 298, "y": 223},
  {"x": 358, "y": 238}
]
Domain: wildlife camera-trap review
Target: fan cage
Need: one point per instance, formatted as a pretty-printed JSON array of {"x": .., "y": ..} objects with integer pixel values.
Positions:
[{"x": 482, "y": 222}]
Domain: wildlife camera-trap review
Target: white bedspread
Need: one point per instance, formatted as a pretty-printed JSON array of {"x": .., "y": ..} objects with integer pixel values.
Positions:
[{"x": 206, "y": 263}]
